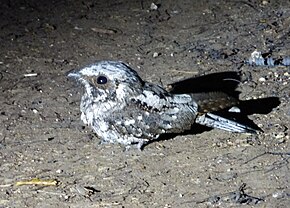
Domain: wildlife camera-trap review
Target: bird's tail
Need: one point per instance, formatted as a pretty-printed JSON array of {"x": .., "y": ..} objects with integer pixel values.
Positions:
[{"x": 215, "y": 121}]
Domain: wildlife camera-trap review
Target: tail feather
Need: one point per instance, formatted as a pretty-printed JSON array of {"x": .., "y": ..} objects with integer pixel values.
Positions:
[{"x": 215, "y": 121}]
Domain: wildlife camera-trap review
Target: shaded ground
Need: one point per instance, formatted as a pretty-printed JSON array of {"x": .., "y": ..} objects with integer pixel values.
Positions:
[{"x": 41, "y": 135}]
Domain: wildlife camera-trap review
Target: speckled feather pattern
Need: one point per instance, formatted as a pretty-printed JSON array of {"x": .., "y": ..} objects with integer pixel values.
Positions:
[{"x": 122, "y": 108}]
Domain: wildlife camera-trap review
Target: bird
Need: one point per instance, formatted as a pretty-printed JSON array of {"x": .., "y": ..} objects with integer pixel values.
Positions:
[{"x": 123, "y": 108}]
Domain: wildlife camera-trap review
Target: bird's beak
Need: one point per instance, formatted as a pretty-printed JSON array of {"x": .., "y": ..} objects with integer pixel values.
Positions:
[{"x": 74, "y": 73}]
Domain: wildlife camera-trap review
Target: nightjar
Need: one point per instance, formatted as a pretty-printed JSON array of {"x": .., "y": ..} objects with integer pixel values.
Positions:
[{"x": 122, "y": 108}]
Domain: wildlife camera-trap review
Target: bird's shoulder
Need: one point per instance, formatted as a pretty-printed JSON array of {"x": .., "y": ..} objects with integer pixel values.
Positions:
[{"x": 154, "y": 98}]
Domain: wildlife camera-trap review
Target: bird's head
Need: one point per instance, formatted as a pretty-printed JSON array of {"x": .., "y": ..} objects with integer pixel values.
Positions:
[{"x": 108, "y": 80}]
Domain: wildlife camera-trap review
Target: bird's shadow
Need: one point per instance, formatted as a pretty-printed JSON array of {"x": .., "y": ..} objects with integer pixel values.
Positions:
[
  {"x": 216, "y": 82},
  {"x": 226, "y": 82}
]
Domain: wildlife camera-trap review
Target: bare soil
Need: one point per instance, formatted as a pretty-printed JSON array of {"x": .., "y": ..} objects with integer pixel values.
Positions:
[{"x": 41, "y": 135}]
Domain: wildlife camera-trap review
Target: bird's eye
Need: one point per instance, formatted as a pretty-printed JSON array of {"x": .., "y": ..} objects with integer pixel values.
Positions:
[{"x": 102, "y": 80}]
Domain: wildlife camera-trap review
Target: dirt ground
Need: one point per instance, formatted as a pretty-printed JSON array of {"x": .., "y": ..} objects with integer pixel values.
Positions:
[{"x": 42, "y": 136}]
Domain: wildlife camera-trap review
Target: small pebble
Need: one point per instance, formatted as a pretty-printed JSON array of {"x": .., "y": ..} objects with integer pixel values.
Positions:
[
  {"x": 155, "y": 54},
  {"x": 234, "y": 110},
  {"x": 34, "y": 111},
  {"x": 59, "y": 171},
  {"x": 262, "y": 79},
  {"x": 279, "y": 195},
  {"x": 153, "y": 6}
]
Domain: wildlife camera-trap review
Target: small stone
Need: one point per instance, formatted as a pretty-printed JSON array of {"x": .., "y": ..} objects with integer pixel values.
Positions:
[
  {"x": 279, "y": 194},
  {"x": 234, "y": 109},
  {"x": 153, "y": 6},
  {"x": 262, "y": 79},
  {"x": 59, "y": 171},
  {"x": 155, "y": 54},
  {"x": 34, "y": 111}
]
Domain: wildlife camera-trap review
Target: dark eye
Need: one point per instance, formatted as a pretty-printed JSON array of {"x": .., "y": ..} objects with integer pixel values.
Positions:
[{"x": 102, "y": 80}]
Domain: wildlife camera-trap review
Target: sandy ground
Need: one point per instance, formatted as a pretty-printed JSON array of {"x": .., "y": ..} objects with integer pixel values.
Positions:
[{"x": 41, "y": 135}]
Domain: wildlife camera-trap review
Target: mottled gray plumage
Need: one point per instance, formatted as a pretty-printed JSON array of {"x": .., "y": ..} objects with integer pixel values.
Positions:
[{"x": 122, "y": 108}]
